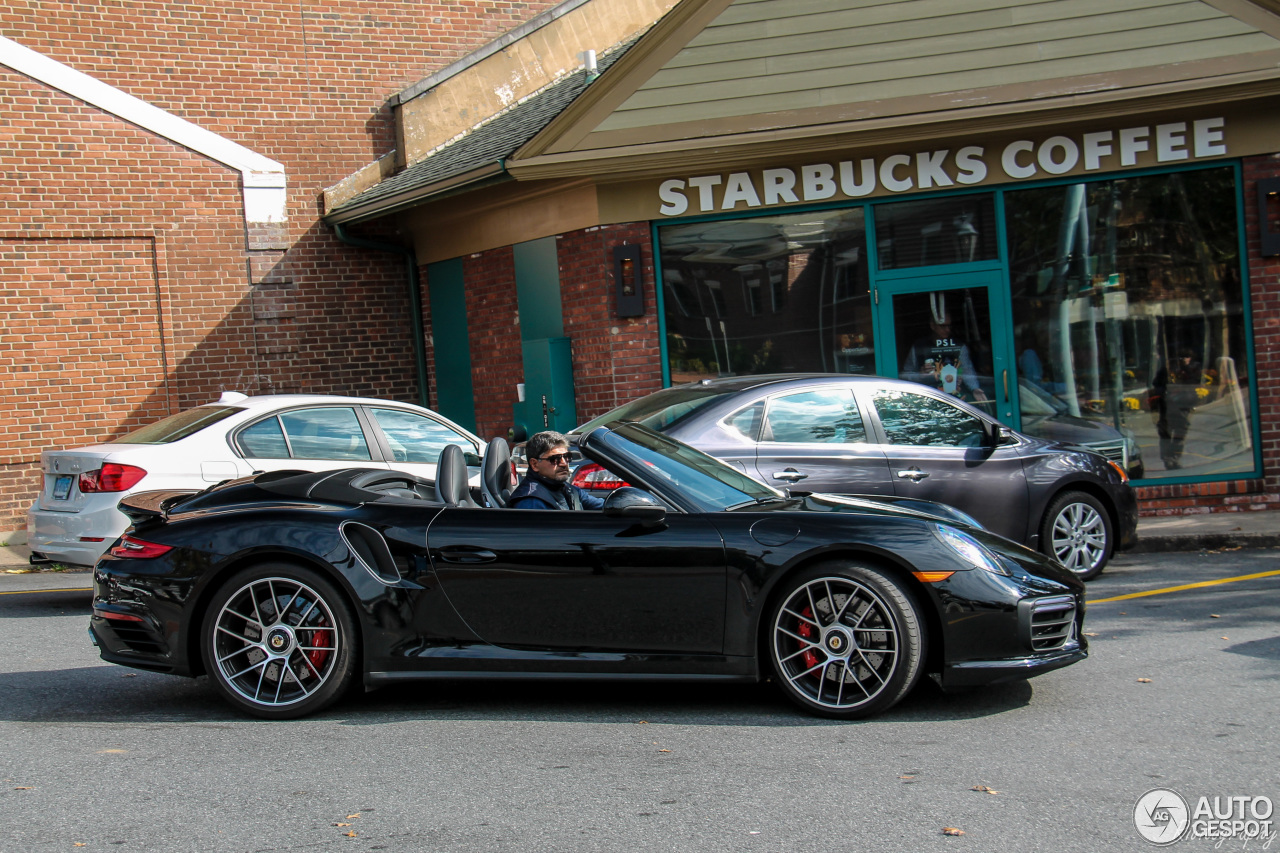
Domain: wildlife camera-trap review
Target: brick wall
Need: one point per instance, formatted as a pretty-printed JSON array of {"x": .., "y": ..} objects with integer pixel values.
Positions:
[
  {"x": 494, "y": 335},
  {"x": 130, "y": 288},
  {"x": 615, "y": 360}
]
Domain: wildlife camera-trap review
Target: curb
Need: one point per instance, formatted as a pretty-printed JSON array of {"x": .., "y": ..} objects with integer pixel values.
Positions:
[{"x": 1157, "y": 544}]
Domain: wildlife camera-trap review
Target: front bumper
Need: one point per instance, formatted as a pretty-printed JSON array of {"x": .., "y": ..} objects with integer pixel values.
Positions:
[{"x": 974, "y": 673}]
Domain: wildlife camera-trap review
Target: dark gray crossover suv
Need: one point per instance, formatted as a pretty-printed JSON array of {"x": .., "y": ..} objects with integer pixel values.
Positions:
[{"x": 868, "y": 435}]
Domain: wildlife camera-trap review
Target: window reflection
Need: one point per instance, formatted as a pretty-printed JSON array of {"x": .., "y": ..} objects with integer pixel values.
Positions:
[
  {"x": 814, "y": 417},
  {"x": 917, "y": 420},
  {"x": 954, "y": 230},
  {"x": 767, "y": 295},
  {"x": 1128, "y": 309}
]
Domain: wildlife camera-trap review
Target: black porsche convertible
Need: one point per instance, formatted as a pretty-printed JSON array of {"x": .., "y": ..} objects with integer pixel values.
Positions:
[{"x": 289, "y": 587}]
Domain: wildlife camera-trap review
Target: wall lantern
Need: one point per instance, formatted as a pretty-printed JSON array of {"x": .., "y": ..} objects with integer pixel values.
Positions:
[
  {"x": 1268, "y": 224},
  {"x": 628, "y": 280}
]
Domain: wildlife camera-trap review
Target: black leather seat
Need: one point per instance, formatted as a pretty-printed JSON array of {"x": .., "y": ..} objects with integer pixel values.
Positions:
[
  {"x": 451, "y": 478},
  {"x": 496, "y": 481}
]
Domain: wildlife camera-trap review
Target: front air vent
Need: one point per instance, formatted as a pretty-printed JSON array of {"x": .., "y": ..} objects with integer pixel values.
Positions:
[{"x": 1046, "y": 624}]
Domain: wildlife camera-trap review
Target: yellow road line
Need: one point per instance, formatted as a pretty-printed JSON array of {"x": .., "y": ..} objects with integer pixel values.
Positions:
[
  {"x": 1185, "y": 586},
  {"x": 31, "y": 591}
]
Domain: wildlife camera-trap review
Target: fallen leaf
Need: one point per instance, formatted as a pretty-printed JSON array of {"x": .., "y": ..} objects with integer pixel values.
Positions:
[
  {"x": 353, "y": 816},
  {"x": 351, "y": 834},
  {"x": 642, "y": 722},
  {"x": 1214, "y": 616},
  {"x": 906, "y": 777},
  {"x": 664, "y": 750},
  {"x": 984, "y": 789},
  {"x": 1090, "y": 633},
  {"x": 951, "y": 830},
  {"x": 1144, "y": 680},
  {"x": 25, "y": 788},
  {"x": 340, "y": 824},
  {"x": 1122, "y": 613},
  {"x": 129, "y": 675},
  {"x": 78, "y": 844},
  {"x": 1225, "y": 638}
]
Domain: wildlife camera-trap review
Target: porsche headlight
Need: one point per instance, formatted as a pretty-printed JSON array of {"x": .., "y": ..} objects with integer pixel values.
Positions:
[{"x": 969, "y": 549}]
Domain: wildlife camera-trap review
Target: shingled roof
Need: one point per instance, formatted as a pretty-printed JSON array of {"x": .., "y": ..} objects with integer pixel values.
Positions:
[{"x": 478, "y": 155}]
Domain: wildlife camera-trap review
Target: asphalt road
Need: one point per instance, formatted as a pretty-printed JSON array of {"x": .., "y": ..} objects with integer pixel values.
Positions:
[{"x": 98, "y": 757}]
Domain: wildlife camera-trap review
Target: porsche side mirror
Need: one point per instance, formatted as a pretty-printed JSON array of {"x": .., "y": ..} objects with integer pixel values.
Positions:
[{"x": 635, "y": 505}]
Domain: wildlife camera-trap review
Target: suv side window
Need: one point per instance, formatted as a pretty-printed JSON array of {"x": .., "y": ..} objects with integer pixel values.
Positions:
[
  {"x": 415, "y": 438},
  {"x": 825, "y": 416},
  {"x": 328, "y": 433},
  {"x": 918, "y": 420}
]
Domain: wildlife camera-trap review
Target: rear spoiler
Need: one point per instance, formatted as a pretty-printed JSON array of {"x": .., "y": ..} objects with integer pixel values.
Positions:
[{"x": 143, "y": 507}]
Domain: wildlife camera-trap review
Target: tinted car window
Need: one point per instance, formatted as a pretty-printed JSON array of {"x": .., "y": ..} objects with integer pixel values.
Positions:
[
  {"x": 746, "y": 421},
  {"x": 921, "y": 421},
  {"x": 825, "y": 416},
  {"x": 264, "y": 440},
  {"x": 177, "y": 426},
  {"x": 329, "y": 433},
  {"x": 415, "y": 438}
]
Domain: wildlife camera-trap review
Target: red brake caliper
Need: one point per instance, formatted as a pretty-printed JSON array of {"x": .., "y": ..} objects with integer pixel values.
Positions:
[
  {"x": 319, "y": 637},
  {"x": 806, "y": 630}
]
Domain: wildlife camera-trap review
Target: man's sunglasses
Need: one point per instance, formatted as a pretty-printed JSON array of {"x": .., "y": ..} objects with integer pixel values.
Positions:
[{"x": 555, "y": 458}]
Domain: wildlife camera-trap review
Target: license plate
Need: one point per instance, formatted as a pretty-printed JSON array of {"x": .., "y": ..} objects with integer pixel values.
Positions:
[{"x": 62, "y": 487}]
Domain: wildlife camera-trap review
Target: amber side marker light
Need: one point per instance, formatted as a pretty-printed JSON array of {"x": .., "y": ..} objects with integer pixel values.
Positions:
[{"x": 932, "y": 577}]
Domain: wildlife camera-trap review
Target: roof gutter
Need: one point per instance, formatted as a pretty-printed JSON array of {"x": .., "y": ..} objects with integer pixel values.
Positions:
[
  {"x": 415, "y": 300},
  {"x": 490, "y": 173}
]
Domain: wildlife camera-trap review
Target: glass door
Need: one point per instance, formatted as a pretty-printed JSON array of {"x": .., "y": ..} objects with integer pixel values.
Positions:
[{"x": 951, "y": 332}]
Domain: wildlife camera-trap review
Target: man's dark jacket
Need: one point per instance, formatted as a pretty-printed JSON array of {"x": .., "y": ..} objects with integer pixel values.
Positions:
[{"x": 537, "y": 492}]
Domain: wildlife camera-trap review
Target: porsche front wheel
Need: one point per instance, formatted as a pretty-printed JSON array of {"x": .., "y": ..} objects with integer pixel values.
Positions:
[
  {"x": 846, "y": 641},
  {"x": 279, "y": 642}
]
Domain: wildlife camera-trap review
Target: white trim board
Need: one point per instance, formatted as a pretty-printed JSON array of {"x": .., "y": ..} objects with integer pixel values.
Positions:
[{"x": 262, "y": 178}]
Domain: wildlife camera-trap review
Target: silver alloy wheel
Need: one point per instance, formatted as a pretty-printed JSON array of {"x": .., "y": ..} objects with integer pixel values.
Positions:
[
  {"x": 1079, "y": 537},
  {"x": 276, "y": 642},
  {"x": 836, "y": 642}
]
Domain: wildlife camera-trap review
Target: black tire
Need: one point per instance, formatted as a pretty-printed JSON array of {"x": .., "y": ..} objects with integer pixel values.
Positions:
[
  {"x": 845, "y": 640},
  {"x": 279, "y": 641},
  {"x": 1077, "y": 532}
]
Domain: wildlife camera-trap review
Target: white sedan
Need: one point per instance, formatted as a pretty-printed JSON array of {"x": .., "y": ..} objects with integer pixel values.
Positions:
[{"x": 75, "y": 519}]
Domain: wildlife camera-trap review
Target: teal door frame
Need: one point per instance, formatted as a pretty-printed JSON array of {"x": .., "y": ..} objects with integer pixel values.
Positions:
[{"x": 1003, "y": 357}]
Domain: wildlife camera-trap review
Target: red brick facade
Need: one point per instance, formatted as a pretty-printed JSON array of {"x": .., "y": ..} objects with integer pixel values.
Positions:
[{"x": 130, "y": 287}]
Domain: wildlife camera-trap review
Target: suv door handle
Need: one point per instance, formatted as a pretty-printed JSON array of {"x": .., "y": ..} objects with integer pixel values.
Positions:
[
  {"x": 791, "y": 475},
  {"x": 913, "y": 474}
]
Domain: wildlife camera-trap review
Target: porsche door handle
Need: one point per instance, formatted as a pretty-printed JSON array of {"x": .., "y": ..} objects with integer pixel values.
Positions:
[
  {"x": 466, "y": 555},
  {"x": 913, "y": 474},
  {"x": 791, "y": 475}
]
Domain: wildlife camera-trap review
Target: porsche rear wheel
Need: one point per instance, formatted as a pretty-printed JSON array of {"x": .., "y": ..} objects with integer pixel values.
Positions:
[
  {"x": 279, "y": 642},
  {"x": 846, "y": 641}
]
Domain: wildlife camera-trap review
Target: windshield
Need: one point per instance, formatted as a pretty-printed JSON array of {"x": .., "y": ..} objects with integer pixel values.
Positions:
[
  {"x": 690, "y": 474},
  {"x": 179, "y": 426},
  {"x": 660, "y": 409}
]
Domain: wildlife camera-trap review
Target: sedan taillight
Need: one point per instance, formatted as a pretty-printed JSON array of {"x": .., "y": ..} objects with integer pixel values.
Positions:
[
  {"x": 597, "y": 478},
  {"x": 111, "y": 477},
  {"x": 139, "y": 549}
]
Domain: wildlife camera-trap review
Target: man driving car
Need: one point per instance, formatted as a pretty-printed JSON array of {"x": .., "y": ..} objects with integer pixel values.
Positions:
[{"x": 546, "y": 484}]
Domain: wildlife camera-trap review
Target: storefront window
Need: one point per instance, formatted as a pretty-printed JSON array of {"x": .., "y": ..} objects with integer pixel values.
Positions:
[
  {"x": 952, "y": 230},
  {"x": 769, "y": 295},
  {"x": 1128, "y": 317}
]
